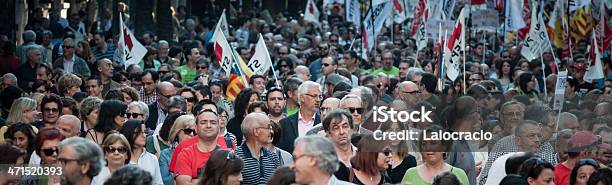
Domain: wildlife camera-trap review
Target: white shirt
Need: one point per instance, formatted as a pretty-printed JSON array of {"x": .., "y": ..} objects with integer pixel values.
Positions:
[
  {"x": 69, "y": 65},
  {"x": 303, "y": 126},
  {"x": 148, "y": 162},
  {"x": 34, "y": 158},
  {"x": 161, "y": 116},
  {"x": 498, "y": 169},
  {"x": 101, "y": 177}
]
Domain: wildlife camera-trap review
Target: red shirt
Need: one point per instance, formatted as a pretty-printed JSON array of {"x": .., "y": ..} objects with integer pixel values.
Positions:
[
  {"x": 562, "y": 173},
  {"x": 190, "y": 161},
  {"x": 192, "y": 142}
]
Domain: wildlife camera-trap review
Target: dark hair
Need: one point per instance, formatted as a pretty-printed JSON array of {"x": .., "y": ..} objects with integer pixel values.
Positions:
[
  {"x": 277, "y": 131},
  {"x": 459, "y": 110},
  {"x": 45, "y": 134},
  {"x": 222, "y": 163},
  {"x": 130, "y": 175},
  {"x": 538, "y": 113},
  {"x": 51, "y": 98},
  {"x": 337, "y": 115},
  {"x": 282, "y": 176},
  {"x": 533, "y": 167},
  {"x": 25, "y": 129},
  {"x": 41, "y": 83},
  {"x": 131, "y": 130},
  {"x": 572, "y": 82},
  {"x": 429, "y": 81},
  {"x": 525, "y": 78},
  {"x": 252, "y": 79},
  {"x": 273, "y": 89},
  {"x": 366, "y": 156},
  {"x": 513, "y": 164},
  {"x": 446, "y": 178},
  {"x": 510, "y": 73},
  {"x": 9, "y": 95},
  {"x": 164, "y": 132},
  {"x": 580, "y": 163},
  {"x": 153, "y": 73},
  {"x": 109, "y": 109},
  {"x": 241, "y": 102},
  {"x": 290, "y": 85},
  {"x": 72, "y": 104},
  {"x": 258, "y": 104},
  {"x": 10, "y": 153},
  {"x": 114, "y": 94},
  {"x": 603, "y": 175}
]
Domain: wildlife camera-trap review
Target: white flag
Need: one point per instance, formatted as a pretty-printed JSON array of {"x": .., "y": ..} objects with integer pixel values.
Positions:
[
  {"x": 373, "y": 23},
  {"x": 514, "y": 15},
  {"x": 455, "y": 47},
  {"x": 353, "y": 13},
  {"x": 400, "y": 10},
  {"x": 575, "y": 4},
  {"x": 536, "y": 42},
  {"x": 260, "y": 62},
  {"x": 132, "y": 50},
  {"x": 223, "y": 52},
  {"x": 311, "y": 14},
  {"x": 560, "y": 90},
  {"x": 377, "y": 2},
  {"x": 222, "y": 26},
  {"x": 421, "y": 36},
  {"x": 594, "y": 69}
]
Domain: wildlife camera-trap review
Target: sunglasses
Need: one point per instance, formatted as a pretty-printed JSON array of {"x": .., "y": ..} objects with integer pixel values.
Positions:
[
  {"x": 121, "y": 150},
  {"x": 201, "y": 67},
  {"x": 353, "y": 109},
  {"x": 49, "y": 151},
  {"x": 325, "y": 64},
  {"x": 188, "y": 131},
  {"x": 133, "y": 115},
  {"x": 191, "y": 99},
  {"x": 162, "y": 72},
  {"x": 50, "y": 110}
]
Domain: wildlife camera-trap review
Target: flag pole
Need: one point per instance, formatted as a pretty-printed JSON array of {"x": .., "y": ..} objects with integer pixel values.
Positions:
[{"x": 544, "y": 77}]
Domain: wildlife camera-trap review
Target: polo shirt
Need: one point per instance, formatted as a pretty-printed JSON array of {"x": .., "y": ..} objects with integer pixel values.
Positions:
[
  {"x": 257, "y": 171},
  {"x": 191, "y": 142}
]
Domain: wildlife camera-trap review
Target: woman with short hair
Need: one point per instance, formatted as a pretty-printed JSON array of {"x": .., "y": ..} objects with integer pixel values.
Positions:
[
  {"x": 117, "y": 152},
  {"x": 537, "y": 172}
]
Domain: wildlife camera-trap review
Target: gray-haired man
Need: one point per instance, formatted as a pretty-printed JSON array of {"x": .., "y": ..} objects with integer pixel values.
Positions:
[
  {"x": 80, "y": 159},
  {"x": 315, "y": 156}
]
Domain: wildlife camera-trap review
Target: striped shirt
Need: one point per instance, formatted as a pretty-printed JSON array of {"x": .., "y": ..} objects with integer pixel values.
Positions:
[
  {"x": 108, "y": 54},
  {"x": 257, "y": 171}
]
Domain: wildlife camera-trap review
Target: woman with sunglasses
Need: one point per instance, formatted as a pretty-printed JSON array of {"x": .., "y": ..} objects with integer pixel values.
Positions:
[
  {"x": 23, "y": 110},
  {"x": 582, "y": 171},
  {"x": 111, "y": 117},
  {"x": 222, "y": 168},
  {"x": 190, "y": 95},
  {"x": 117, "y": 152},
  {"x": 538, "y": 172},
  {"x": 401, "y": 159},
  {"x": 184, "y": 127},
  {"x": 135, "y": 132},
  {"x": 46, "y": 147},
  {"x": 370, "y": 162},
  {"x": 433, "y": 153}
]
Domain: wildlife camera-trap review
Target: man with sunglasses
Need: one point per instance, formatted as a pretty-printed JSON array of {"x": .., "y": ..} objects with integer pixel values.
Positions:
[
  {"x": 259, "y": 162},
  {"x": 352, "y": 104},
  {"x": 159, "y": 110},
  {"x": 80, "y": 160},
  {"x": 329, "y": 66},
  {"x": 315, "y": 67},
  {"x": 408, "y": 92},
  {"x": 70, "y": 62}
]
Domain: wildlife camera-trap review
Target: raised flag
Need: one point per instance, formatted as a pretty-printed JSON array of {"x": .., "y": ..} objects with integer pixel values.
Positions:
[
  {"x": 560, "y": 91},
  {"x": 353, "y": 12},
  {"x": 132, "y": 51},
  {"x": 576, "y": 4},
  {"x": 421, "y": 36},
  {"x": 602, "y": 30},
  {"x": 400, "y": 10},
  {"x": 522, "y": 33},
  {"x": 260, "y": 62},
  {"x": 311, "y": 13},
  {"x": 537, "y": 41},
  {"x": 594, "y": 69},
  {"x": 438, "y": 49},
  {"x": 235, "y": 83},
  {"x": 223, "y": 52},
  {"x": 455, "y": 47},
  {"x": 514, "y": 16},
  {"x": 373, "y": 23},
  {"x": 222, "y": 27},
  {"x": 420, "y": 14},
  {"x": 581, "y": 24},
  {"x": 377, "y": 2}
]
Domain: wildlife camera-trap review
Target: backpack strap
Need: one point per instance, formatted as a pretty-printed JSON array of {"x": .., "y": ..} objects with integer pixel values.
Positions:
[
  {"x": 228, "y": 141},
  {"x": 156, "y": 143}
]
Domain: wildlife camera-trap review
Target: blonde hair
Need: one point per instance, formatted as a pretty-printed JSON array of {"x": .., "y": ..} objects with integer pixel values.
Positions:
[
  {"x": 67, "y": 81},
  {"x": 17, "y": 109},
  {"x": 181, "y": 122},
  {"x": 114, "y": 137}
]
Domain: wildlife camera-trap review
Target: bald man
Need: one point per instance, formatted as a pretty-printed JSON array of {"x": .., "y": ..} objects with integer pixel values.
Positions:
[
  {"x": 158, "y": 110},
  {"x": 69, "y": 125},
  {"x": 259, "y": 162},
  {"x": 408, "y": 92}
]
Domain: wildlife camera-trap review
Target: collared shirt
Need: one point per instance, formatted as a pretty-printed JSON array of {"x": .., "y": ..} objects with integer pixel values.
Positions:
[
  {"x": 148, "y": 162},
  {"x": 161, "y": 116},
  {"x": 257, "y": 171},
  {"x": 148, "y": 99},
  {"x": 303, "y": 126},
  {"x": 69, "y": 65}
]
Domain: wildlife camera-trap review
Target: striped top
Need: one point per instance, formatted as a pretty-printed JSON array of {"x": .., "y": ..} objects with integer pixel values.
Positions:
[
  {"x": 257, "y": 171},
  {"x": 110, "y": 52}
]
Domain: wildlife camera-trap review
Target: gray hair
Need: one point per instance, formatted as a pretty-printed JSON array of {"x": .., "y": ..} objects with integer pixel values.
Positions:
[
  {"x": 76, "y": 122},
  {"x": 249, "y": 123},
  {"x": 163, "y": 42},
  {"x": 305, "y": 86},
  {"x": 30, "y": 51},
  {"x": 413, "y": 71},
  {"x": 142, "y": 106},
  {"x": 89, "y": 104},
  {"x": 321, "y": 148},
  {"x": 29, "y": 36},
  {"x": 86, "y": 151},
  {"x": 10, "y": 76},
  {"x": 178, "y": 102},
  {"x": 366, "y": 95},
  {"x": 349, "y": 96}
]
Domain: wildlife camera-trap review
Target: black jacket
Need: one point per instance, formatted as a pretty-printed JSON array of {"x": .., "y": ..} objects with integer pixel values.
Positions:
[{"x": 289, "y": 131}]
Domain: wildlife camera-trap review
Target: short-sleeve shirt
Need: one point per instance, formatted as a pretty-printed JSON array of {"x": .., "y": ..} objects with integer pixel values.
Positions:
[
  {"x": 189, "y": 142},
  {"x": 257, "y": 171},
  {"x": 187, "y": 74},
  {"x": 412, "y": 176},
  {"x": 562, "y": 174},
  {"x": 191, "y": 161}
]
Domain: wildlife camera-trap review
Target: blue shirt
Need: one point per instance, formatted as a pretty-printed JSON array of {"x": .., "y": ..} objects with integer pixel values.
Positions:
[{"x": 257, "y": 171}]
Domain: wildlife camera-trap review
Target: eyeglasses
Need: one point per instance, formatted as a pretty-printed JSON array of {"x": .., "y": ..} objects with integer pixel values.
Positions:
[
  {"x": 411, "y": 92},
  {"x": 188, "y": 131},
  {"x": 121, "y": 150},
  {"x": 325, "y": 64},
  {"x": 50, "y": 151},
  {"x": 123, "y": 114},
  {"x": 314, "y": 96},
  {"x": 353, "y": 109},
  {"x": 387, "y": 151},
  {"x": 269, "y": 127},
  {"x": 133, "y": 115},
  {"x": 201, "y": 67},
  {"x": 50, "y": 110},
  {"x": 191, "y": 99}
]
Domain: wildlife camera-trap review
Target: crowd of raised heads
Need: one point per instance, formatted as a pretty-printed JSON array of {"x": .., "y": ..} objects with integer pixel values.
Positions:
[{"x": 315, "y": 117}]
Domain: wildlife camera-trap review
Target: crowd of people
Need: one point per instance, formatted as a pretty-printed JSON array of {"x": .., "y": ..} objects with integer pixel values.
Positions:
[{"x": 67, "y": 100}]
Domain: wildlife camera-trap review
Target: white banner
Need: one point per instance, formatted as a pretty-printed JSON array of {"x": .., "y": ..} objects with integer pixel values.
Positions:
[
  {"x": 594, "y": 69},
  {"x": 455, "y": 47},
  {"x": 575, "y": 4},
  {"x": 487, "y": 19},
  {"x": 537, "y": 41},
  {"x": 421, "y": 36},
  {"x": 223, "y": 27},
  {"x": 311, "y": 13},
  {"x": 514, "y": 15},
  {"x": 432, "y": 25},
  {"x": 132, "y": 50},
  {"x": 260, "y": 62},
  {"x": 223, "y": 52},
  {"x": 353, "y": 12},
  {"x": 560, "y": 90},
  {"x": 377, "y": 2},
  {"x": 373, "y": 23}
]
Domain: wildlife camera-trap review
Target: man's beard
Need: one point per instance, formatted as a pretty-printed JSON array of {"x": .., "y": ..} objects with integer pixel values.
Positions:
[{"x": 276, "y": 113}]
